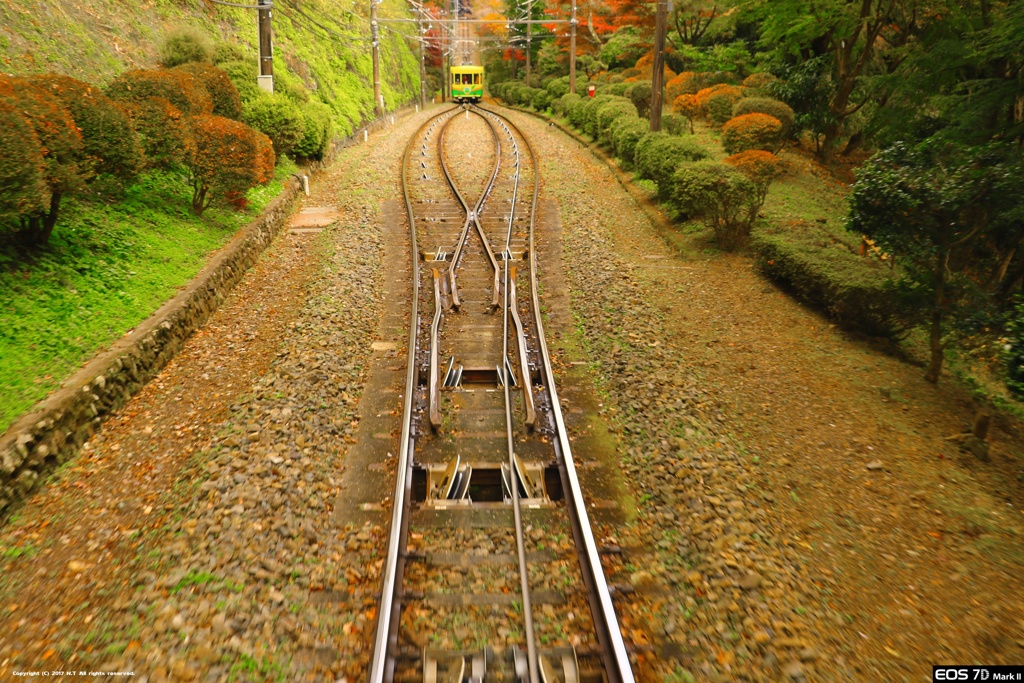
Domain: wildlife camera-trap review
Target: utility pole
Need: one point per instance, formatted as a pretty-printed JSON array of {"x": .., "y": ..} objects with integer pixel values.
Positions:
[
  {"x": 266, "y": 41},
  {"x": 529, "y": 36},
  {"x": 658, "y": 77},
  {"x": 423, "y": 63},
  {"x": 572, "y": 48},
  {"x": 378, "y": 99}
]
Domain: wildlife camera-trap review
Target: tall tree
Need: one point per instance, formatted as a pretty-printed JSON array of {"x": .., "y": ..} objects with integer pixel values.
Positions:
[{"x": 848, "y": 33}]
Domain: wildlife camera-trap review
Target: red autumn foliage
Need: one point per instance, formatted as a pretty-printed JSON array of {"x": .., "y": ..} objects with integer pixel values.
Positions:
[
  {"x": 65, "y": 166},
  {"x": 186, "y": 92},
  {"x": 21, "y": 165},
  {"x": 108, "y": 137},
  {"x": 223, "y": 93},
  {"x": 751, "y": 131},
  {"x": 161, "y": 129},
  {"x": 225, "y": 158}
]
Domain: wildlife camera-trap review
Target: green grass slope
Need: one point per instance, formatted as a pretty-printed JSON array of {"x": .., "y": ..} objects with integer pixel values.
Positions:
[
  {"x": 323, "y": 43},
  {"x": 106, "y": 269}
]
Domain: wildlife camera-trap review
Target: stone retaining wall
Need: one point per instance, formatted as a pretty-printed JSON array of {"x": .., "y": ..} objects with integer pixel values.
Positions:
[{"x": 52, "y": 432}]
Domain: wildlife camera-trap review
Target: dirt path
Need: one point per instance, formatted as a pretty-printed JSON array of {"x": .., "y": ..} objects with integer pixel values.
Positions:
[{"x": 892, "y": 549}]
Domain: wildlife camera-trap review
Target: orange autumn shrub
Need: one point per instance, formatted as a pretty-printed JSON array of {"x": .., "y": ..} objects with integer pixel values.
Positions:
[
  {"x": 760, "y": 166},
  {"x": 717, "y": 102},
  {"x": 683, "y": 84},
  {"x": 182, "y": 89},
  {"x": 223, "y": 93},
  {"x": 161, "y": 129},
  {"x": 224, "y": 158},
  {"x": 65, "y": 165},
  {"x": 687, "y": 105},
  {"x": 109, "y": 139},
  {"x": 751, "y": 131},
  {"x": 21, "y": 165},
  {"x": 645, "y": 68}
]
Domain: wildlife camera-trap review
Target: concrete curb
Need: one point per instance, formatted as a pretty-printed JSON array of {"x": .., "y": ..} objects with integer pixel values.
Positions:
[{"x": 55, "y": 428}]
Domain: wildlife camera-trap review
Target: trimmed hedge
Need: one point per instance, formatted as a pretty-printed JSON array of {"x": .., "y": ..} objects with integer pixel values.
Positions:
[
  {"x": 317, "y": 131},
  {"x": 566, "y": 102},
  {"x": 225, "y": 158},
  {"x": 542, "y": 100},
  {"x": 608, "y": 113},
  {"x": 769, "y": 106},
  {"x": 719, "y": 194},
  {"x": 674, "y": 124},
  {"x": 277, "y": 117},
  {"x": 108, "y": 137},
  {"x": 243, "y": 76},
  {"x": 640, "y": 95},
  {"x": 588, "y": 113},
  {"x": 626, "y": 133},
  {"x": 186, "y": 92},
  {"x": 223, "y": 93},
  {"x": 658, "y": 155},
  {"x": 751, "y": 131},
  {"x": 161, "y": 130},
  {"x": 21, "y": 165},
  {"x": 827, "y": 274}
]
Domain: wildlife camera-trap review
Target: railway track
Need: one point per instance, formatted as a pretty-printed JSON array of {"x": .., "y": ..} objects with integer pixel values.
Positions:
[{"x": 492, "y": 570}]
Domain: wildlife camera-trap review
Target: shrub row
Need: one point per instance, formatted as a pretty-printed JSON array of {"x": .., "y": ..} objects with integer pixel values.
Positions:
[{"x": 59, "y": 135}]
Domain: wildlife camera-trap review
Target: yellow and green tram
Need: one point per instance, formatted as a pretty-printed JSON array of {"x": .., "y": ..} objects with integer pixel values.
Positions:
[{"x": 467, "y": 83}]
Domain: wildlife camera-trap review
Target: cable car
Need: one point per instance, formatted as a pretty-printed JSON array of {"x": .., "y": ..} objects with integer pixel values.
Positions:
[{"x": 467, "y": 83}]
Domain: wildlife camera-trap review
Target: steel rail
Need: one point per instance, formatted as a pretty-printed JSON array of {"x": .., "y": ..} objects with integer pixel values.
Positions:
[
  {"x": 470, "y": 215},
  {"x": 609, "y": 634},
  {"x": 524, "y": 363},
  {"x": 434, "y": 391},
  {"x": 382, "y": 666}
]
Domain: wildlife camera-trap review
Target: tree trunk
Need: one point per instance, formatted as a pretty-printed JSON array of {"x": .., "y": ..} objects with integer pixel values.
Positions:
[
  {"x": 935, "y": 341},
  {"x": 49, "y": 221},
  {"x": 199, "y": 200}
]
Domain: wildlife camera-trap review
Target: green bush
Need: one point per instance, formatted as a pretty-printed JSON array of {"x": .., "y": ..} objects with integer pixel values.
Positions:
[
  {"x": 719, "y": 104},
  {"x": 608, "y": 113},
  {"x": 719, "y": 194},
  {"x": 577, "y": 111},
  {"x": 226, "y": 100},
  {"x": 751, "y": 131},
  {"x": 626, "y": 133},
  {"x": 618, "y": 89},
  {"x": 558, "y": 86},
  {"x": 825, "y": 273},
  {"x": 277, "y": 117},
  {"x": 769, "y": 106},
  {"x": 658, "y": 155},
  {"x": 231, "y": 52},
  {"x": 542, "y": 100},
  {"x": 317, "y": 131},
  {"x": 566, "y": 102},
  {"x": 243, "y": 76},
  {"x": 184, "y": 45},
  {"x": 588, "y": 121},
  {"x": 674, "y": 124},
  {"x": 640, "y": 95},
  {"x": 525, "y": 95}
]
